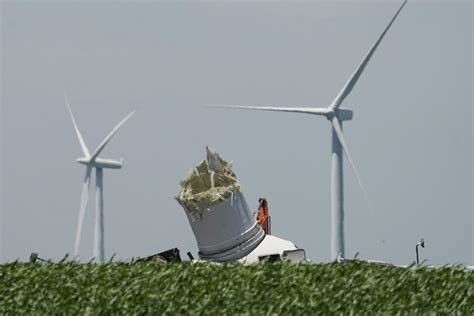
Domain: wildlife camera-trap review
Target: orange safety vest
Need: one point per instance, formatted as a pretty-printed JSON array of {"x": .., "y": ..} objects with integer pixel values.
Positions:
[{"x": 262, "y": 218}]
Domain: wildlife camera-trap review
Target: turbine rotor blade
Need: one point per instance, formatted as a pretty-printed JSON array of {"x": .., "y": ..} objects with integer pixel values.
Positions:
[
  {"x": 82, "y": 208},
  {"x": 316, "y": 111},
  {"x": 355, "y": 76},
  {"x": 85, "y": 150},
  {"x": 342, "y": 140},
  {"x": 109, "y": 137}
]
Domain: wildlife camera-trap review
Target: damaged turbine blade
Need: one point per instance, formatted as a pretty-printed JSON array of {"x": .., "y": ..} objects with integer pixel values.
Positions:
[
  {"x": 209, "y": 183},
  {"x": 220, "y": 218}
]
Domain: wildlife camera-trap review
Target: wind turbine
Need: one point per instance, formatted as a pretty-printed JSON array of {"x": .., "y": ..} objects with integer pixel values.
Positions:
[
  {"x": 93, "y": 161},
  {"x": 336, "y": 116}
]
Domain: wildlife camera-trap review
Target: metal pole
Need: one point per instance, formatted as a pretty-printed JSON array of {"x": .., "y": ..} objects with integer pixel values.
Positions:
[
  {"x": 422, "y": 244},
  {"x": 417, "y": 259}
]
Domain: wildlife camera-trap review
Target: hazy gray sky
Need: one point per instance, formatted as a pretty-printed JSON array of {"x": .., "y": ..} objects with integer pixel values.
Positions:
[{"x": 411, "y": 137}]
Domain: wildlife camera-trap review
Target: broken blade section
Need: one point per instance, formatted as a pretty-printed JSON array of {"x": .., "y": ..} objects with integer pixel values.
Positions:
[
  {"x": 222, "y": 223},
  {"x": 211, "y": 182}
]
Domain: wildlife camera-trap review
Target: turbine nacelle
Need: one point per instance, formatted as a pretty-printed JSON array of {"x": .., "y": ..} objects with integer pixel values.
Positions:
[
  {"x": 101, "y": 163},
  {"x": 341, "y": 114}
]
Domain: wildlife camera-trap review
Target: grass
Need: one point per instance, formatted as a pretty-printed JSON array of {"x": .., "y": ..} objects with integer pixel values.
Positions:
[{"x": 184, "y": 288}]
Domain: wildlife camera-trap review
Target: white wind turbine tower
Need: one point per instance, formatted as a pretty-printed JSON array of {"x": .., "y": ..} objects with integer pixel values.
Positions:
[
  {"x": 336, "y": 116},
  {"x": 93, "y": 161}
]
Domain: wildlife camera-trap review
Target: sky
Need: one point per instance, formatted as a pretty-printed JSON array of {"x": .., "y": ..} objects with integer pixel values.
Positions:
[{"x": 410, "y": 138}]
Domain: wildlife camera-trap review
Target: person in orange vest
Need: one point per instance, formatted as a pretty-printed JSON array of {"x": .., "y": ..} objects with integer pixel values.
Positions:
[{"x": 263, "y": 218}]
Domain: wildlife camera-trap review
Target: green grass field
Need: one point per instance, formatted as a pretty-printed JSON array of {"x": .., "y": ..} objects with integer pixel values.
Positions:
[{"x": 185, "y": 288}]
